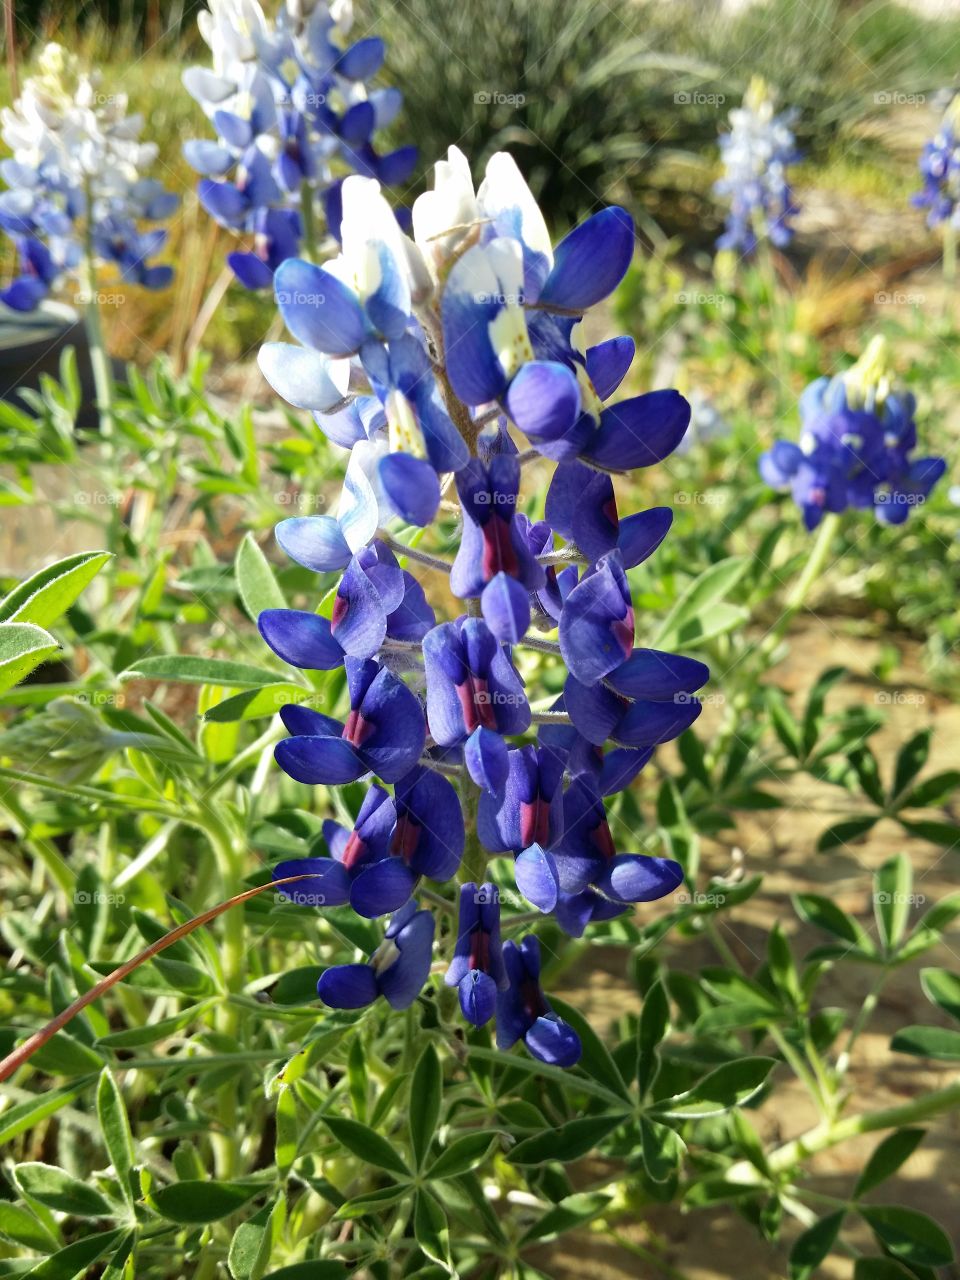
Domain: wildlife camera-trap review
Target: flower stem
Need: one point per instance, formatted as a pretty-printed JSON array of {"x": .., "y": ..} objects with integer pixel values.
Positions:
[
  {"x": 795, "y": 600},
  {"x": 830, "y": 1134},
  {"x": 307, "y": 217}
]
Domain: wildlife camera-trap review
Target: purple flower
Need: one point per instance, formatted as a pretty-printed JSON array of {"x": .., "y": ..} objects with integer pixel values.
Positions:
[
  {"x": 523, "y": 1012},
  {"x": 477, "y": 969},
  {"x": 397, "y": 969},
  {"x": 471, "y": 683},
  {"x": 384, "y": 733}
]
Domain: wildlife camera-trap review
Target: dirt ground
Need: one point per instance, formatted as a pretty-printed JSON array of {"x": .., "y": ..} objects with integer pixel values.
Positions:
[{"x": 708, "y": 1245}]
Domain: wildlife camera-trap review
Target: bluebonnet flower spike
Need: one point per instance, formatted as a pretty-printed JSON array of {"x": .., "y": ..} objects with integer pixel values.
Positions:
[{"x": 421, "y": 359}]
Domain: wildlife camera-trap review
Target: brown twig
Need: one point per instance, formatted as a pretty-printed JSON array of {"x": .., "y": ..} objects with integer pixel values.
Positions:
[{"x": 25, "y": 1051}]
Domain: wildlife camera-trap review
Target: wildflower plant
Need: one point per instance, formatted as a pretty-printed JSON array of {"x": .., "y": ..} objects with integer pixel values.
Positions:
[
  {"x": 420, "y": 356},
  {"x": 78, "y": 194},
  {"x": 757, "y": 151},
  {"x": 857, "y": 446},
  {"x": 289, "y": 102}
]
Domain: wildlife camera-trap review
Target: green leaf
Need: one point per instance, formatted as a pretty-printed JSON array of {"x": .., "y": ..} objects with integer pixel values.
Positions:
[
  {"x": 662, "y": 1149},
  {"x": 845, "y": 832},
  {"x": 256, "y": 704},
  {"x": 26, "y": 1115},
  {"x": 75, "y": 1260},
  {"x": 115, "y": 1127},
  {"x": 652, "y": 1027},
  {"x": 945, "y": 833},
  {"x": 189, "y": 669},
  {"x": 886, "y": 1159},
  {"x": 567, "y": 1142},
  {"x": 20, "y": 1226},
  {"x": 372, "y": 1202},
  {"x": 23, "y": 646},
  {"x": 880, "y": 1269},
  {"x": 826, "y": 915},
  {"x": 463, "y": 1155},
  {"x": 258, "y": 587},
  {"x": 941, "y": 1043},
  {"x": 287, "y": 1141},
  {"x": 252, "y": 1243},
  {"x": 783, "y": 971},
  {"x": 910, "y": 760},
  {"x": 365, "y": 1143},
  {"x": 57, "y": 1190},
  {"x": 196, "y": 1201},
  {"x": 688, "y": 620},
  {"x": 47, "y": 595},
  {"x": 892, "y": 885},
  {"x": 595, "y": 1059},
  {"x": 942, "y": 988},
  {"x": 735, "y": 1017},
  {"x": 431, "y": 1229},
  {"x": 426, "y": 1094},
  {"x": 868, "y": 774},
  {"x": 908, "y": 1235},
  {"x": 814, "y": 1244},
  {"x": 728, "y": 1086},
  {"x": 134, "y": 1037},
  {"x": 933, "y": 791},
  {"x": 813, "y": 714},
  {"x": 567, "y": 1214}
]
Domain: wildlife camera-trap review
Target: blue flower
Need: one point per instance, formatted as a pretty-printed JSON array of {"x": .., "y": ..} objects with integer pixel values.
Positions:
[
  {"x": 397, "y": 970},
  {"x": 855, "y": 447},
  {"x": 288, "y": 102},
  {"x": 939, "y": 166},
  {"x": 523, "y": 1012},
  {"x": 757, "y": 153},
  {"x": 384, "y": 733},
  {"x": 471, "y": 683},
  {"x": 477, "y": 969}
]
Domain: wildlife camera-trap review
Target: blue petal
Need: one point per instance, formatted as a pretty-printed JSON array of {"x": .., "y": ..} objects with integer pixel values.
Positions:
[
  {"x": 469, "y": 304},
  {"x": 633, "y": 877},
  {"x": 403, "y": 981},
  {"x": 206, "y": 157},
  {"x": 478, "y": 997},
  {"x": 596, "y": 625},
  {"x": 641, "y": 533},
  {"x": 544, "y": 402},
  {"x": 594, "y": 709},
  {"x": 318, "y": 309},
  {"x": 316, "y": 542},
  {"x": 362, "y": 60},
  {"x": 314, "y": 761},
  {"x": 412, "y": 486},
  {"x": 347, "y": 986},
  {"x": 301, "y": 376},
  {"x": 648, "y": 724},
  {"x": 303, "y": 639},
  {"x": 506, "y": 608},
  {"x": 486, "y": 756},
  {"x": 223, "y": 201},
  {"x": 608, "y": 363},
  {"x": 590, "y": 262},
  {"x": 359, "y": 621},
  {"x": 358, "y": 123},
  {"x": 328, "y": 884},
  {"x": 638, "y": 432},
  {"x": 553, "y": 1041},
  {"x": 396, "y": 168},
  {"x": 651, "y": 673},
  {"x": 538, "y": 878},
  {"x": 251, "y": 271},
  {"x": 383, "y": 886}
]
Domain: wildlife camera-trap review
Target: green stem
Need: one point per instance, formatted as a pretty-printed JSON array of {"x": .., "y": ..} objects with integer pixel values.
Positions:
[
  {"x": 861, "y": 1020},
  {"x": 308, "y": 218},
  {"x": 814, "y": 568},
  {"x": 831, "y": 1133}
]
